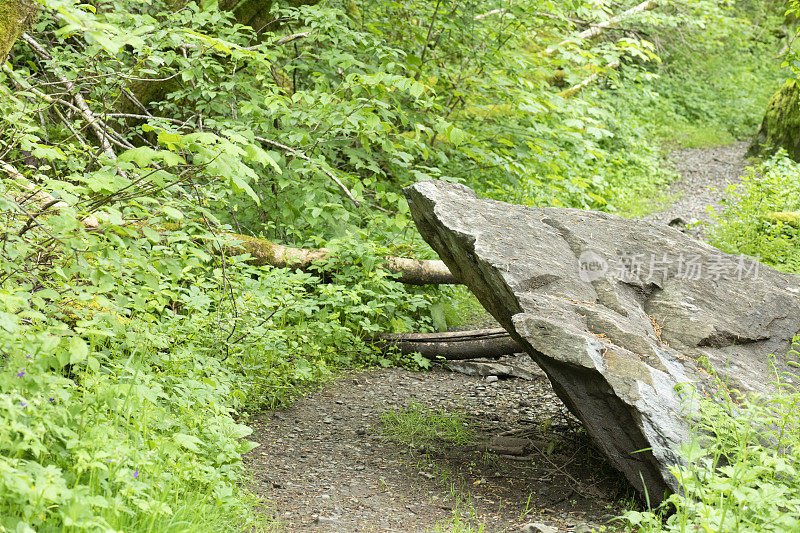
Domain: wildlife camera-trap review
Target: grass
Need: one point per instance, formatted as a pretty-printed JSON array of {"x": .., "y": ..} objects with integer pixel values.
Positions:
[
  {"x": 464, "y": 519},
  {"x": 462, "y": 309},
  {"x": 416, "y": 425},
  {"x": 638, "y": 206}
]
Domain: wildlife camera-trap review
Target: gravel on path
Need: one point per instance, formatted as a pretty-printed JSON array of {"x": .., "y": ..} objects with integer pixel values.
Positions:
[
  {"x": 706, "y": 175},
  {"x": 326, "y": 462}
]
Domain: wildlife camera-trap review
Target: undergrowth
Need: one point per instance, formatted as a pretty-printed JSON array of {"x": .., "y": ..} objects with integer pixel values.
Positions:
[
  {"x": 708, "y": 93},
  {"x": 741, "y": 471},
  {"x": 416, "y": 425},
  {"x": 762, "y": 217}
]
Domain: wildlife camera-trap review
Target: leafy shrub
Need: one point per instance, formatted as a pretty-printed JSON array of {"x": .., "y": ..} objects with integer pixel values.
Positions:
[
  {"x": 760, "y": 219},
  {"x": 741, "y": 472},
  {"x": 710, "y": 91}
]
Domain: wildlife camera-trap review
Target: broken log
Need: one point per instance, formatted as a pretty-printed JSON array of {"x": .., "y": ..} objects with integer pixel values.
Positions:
[
  {"x": 262, "y": 252},
  {"x": 454, "y": 345}
]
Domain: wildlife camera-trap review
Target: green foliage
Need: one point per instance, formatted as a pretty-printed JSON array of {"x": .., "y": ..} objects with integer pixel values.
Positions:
[
  {"x": 741, "y": 473},
  {"x": 752, "y": 223},
  {"x": 415, "y": 425},
  {"x": 460, "y": 308},
  {"x": 712, "y": 90},
  {"x": 132, "y": 353}
]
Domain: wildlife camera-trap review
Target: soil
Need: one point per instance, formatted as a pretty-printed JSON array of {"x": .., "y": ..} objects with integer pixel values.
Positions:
[
  {"x": 330, "y": 463},
  {"x": 707, "y": 176}
]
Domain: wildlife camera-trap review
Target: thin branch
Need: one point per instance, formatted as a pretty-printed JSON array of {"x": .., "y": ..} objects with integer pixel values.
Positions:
[
  {"x": 306, "y": 158},
  {"x": 598, "y": 28},
  {"x": 288, "y": 38},
  {"x": 427, "y": 40},
  {"x": 83, "y": 107},
  {"x": 566, "y": 93},
  {"x": 489, "y": 14}
]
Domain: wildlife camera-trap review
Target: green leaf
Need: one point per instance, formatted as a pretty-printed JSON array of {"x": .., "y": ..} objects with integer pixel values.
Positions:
[
  {"x": 438, "y": 317},
  {"x": 171, "y": 212},
  {"x": 78, "y": 350},
  {"x": 457, "y": 136},
  {"x": 256, "y": 153},
  {"x": 143, "y": 156},
  {"x": 190, "y": 442}
]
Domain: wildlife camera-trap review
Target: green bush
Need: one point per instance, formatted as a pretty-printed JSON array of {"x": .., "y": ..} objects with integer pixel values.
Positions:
[
  {"x": 710, "y": 91},
  {"x": 757, "y": 220},
  {"x": 741, "y": 471}
]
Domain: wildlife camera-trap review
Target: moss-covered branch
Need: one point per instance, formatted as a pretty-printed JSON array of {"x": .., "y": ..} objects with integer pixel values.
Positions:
[{"x": 263, "y": 252}]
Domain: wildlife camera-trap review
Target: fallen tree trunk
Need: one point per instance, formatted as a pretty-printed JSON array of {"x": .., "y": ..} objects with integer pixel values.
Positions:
[
  {"x": 263, "y": 252},
  {"x": 454, "y": 345}
]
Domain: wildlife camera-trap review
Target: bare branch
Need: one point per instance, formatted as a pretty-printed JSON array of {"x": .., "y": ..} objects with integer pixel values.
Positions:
[
  {"x": 83, "y": 107},
  {"x": 306, "y": 158},
  {"x": 597, "y": 29},
  {"x": 567, "y": 93}
]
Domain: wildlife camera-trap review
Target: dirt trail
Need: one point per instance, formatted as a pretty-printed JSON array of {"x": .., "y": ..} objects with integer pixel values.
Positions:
[
  {"x": 706, "y": 174},
  {"x": 327, "y": 462}
]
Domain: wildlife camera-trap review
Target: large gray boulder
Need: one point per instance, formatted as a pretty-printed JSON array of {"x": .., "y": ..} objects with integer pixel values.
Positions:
[{"x": 617, "y": 312}]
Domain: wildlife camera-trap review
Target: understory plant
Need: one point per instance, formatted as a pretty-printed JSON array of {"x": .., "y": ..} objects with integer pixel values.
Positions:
[
  {"x": 741, "y": 471},
  {"x": 761, "y": 217}
]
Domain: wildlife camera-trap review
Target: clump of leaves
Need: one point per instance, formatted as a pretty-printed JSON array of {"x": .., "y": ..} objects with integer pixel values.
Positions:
[{"x": 741, "y": 471}]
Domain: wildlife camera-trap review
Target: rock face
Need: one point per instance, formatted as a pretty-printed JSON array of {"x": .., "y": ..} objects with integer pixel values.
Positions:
[
  {"x": 616, "y": 312},
  {"x": 781, "y": 125}
]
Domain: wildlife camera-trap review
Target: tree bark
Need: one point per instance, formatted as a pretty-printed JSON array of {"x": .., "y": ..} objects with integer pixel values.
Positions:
[
  {"x": 494, "y": 342},
  {"x": 15, "y": 17},
  {"x": 263, "y": 252}
]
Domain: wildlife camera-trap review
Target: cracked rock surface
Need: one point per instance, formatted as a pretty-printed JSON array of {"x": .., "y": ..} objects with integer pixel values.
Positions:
[{"x": 616, "y": 312}]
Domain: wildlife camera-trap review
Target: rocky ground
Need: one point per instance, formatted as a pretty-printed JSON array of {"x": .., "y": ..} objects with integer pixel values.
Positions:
[
  {"x": 329, "y": 462},
  {"x": 706, "y": 176},
  {"x": 333, "y": 462}
]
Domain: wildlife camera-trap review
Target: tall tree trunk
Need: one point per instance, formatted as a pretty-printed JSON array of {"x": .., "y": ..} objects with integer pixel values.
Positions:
[
  {"x": 253, "y": 13},
  {"x": 15, "y": 17}
]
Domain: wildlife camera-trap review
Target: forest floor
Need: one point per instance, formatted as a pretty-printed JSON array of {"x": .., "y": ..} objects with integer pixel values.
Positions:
[
  {"x": 706, "y": 175},
  {"x": 332, "y": 461}
]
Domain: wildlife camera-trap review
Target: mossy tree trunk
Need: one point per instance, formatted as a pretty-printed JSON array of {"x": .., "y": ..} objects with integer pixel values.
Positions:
[
  {"x": 781, "y": 125},
  {"x": 253, "y": 13},
  {"x": 15, "y": 17}
]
